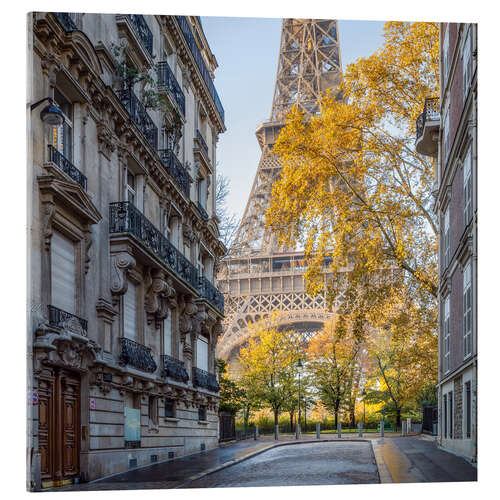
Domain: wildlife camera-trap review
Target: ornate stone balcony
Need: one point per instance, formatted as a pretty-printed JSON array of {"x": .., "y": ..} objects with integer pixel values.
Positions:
[
  {"x": 175, "y": 169},
  {"x": 139, "y": 115},
  {"x": 62, "y": 319},
  {"x": 136, "y": 355},
  {"x": 173, "y": 368},
  {"x": 124, "y": 217},
  {"x": 143, "y": 32},
  {"x": 427, "y": 128},
  {"x": 212, "y": 294},
  {"x": 67, "y": 167},
  {"x": 167, "y": 80},
  {"x": 205, "y": 380},
  {"x": 195, "y": 51}
]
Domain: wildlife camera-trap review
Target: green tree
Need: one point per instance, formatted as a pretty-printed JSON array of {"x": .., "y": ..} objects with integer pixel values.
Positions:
[{"x": 232, "y": 396}]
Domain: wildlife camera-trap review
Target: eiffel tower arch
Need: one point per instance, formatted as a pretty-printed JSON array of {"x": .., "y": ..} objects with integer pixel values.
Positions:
[{"x": 258, "y": 277}]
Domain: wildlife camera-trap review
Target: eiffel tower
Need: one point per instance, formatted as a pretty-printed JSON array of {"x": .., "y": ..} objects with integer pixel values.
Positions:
[{"x": 258, "y": 277}]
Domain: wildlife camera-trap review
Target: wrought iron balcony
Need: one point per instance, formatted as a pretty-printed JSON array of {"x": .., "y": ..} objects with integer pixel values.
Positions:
[
  {"x": 189, "y": 37},
  {"x": 166, "y": 79},
  {"x": 173, "y": 368},
  {"x": 59, "y": 318},
  {"x": 212, "y": 294},
  {"x": 201, "y": 141},
  {"x": 136, "y": 355},
  {"x": 65, "y": 19},
  {"x": 175, "y": 169},
  {"x": 143, "y": 31},
  {"x": 427, "y": 127},
  {"x": 206, "y": 380},
  {"x": 203, "y": 212},
  {"x": 124, "y": 217},
  {"x": 139, "y": 115},
  {"x": 67, "y": 167}
]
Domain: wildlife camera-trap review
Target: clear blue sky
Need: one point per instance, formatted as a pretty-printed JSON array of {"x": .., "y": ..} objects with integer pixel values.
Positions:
[{"x": 247, "y": 52}]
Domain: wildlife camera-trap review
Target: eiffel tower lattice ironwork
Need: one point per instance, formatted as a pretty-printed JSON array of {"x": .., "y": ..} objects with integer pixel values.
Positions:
[{"x": 258, "y": 277}]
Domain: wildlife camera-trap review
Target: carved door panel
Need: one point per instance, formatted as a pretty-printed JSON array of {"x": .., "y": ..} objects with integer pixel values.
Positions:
[
  {"x": 46, "y": 427},
  {"x": 70, "y": 395}
]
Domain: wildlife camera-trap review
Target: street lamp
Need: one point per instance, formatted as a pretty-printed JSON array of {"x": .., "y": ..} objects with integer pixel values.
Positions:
[
  {"x": 51, "y": 114},
  {"x": 300, "y": 366},
  {"x": 364, "y": 404}
]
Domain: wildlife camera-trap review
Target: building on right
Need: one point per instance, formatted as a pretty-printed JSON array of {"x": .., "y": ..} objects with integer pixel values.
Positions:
[{"x": 447, "y": 130}]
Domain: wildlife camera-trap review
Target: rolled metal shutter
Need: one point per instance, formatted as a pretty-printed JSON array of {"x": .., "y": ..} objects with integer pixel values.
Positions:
[
  {"x": 63, "y": 272},
  {"x": 202, "y": 353},
  {"x": 130, "y": 312}
]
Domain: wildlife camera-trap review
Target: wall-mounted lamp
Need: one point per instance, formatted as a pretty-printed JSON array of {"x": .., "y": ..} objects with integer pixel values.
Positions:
[{"x": 51, "y": 114}]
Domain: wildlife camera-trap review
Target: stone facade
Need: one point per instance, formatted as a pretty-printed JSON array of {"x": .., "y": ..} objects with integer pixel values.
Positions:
[
  {"x": 124, "y": 316},
  {"x": 455, "y": 190}
]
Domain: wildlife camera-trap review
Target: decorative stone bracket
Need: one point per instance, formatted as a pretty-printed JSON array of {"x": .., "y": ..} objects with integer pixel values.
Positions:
[{"x": 121, "y": 263}]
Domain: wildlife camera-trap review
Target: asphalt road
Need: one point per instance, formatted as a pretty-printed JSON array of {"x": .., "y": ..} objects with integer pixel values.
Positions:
[{"x": 320, "y": 463}]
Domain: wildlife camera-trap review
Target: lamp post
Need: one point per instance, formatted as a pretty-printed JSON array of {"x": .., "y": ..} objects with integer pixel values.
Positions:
[
  {"x": 364, "y": 404},
  {"x": 299, "y": 368}
]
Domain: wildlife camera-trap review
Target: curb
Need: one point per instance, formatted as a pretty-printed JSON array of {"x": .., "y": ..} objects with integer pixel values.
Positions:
[{"x": 262, "y": 450}]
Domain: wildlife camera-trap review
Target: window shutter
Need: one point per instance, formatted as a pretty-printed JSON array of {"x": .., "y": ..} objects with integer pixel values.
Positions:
[
  {"x": 63, "y": 273},
  {"x": 467, "y": 65},
  {"x": 202, "y": 353},
  {"x": 129, "y": 312}
]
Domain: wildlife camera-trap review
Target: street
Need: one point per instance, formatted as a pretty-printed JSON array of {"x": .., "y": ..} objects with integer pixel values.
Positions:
[{"x": 305, "y": 464}]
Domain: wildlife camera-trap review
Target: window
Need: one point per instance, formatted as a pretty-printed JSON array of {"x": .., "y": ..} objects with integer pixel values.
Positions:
[
  {"x": 445, "y": 415},
  {"x": 130, "y": 187},
  {"x": 202, "y": 192},
  {"x": 202, "y": 413},
  {"x": 445, "y": 53},
  {"x": 467, "y": 298},
  {"x": 153, "y": 411},
  {"x": 467, "y": 63},
  {"x": 446, "y": 237},
  {"x": 201, "y": 267},
  {"x": 202, "y": 353},
  {"x": 167, "y": 335},
  {"x": 63, "y": 273},
  {"x": 450, "y": 414},
  {"x": 169, "y": 408},
  {"x": 446, "y": 335},
  {"x": 468, "y": 187},
  {"x": 62, "y": 136},
  {"x": 468, "y": 410},
  {"x": 130, "y": 312},
  {"x": 446, "y": 135}
]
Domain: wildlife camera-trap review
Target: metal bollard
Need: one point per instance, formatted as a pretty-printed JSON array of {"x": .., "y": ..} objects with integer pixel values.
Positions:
[
  {"x": 382, "y": 428},
  {"x": 297, "y": 431},
  {"x": 318, "y": 431},
  {"x": 339, "y": 430},
  {"x": 360, "y": 429},
  {"x": 256, "y": 433},
  {"x": 403, "y": 428},
  {"x": 276, "y": 432}
]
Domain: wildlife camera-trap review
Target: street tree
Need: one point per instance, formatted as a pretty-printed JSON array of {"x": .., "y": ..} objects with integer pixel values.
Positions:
[
  {"x": 228, "y": 221},
  {"x": 333, "y": 360},
  {"x": 233, "y": 398},
  {"x": 353, "y": 188},
  {"x": 268, "y": 364}
]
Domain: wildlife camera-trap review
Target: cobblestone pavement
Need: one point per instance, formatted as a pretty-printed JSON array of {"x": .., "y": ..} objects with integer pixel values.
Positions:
[{"x": 318, "y": 463}]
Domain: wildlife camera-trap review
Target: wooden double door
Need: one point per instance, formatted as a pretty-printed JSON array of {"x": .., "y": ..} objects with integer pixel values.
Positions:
[{"x": 59, "y": 426}]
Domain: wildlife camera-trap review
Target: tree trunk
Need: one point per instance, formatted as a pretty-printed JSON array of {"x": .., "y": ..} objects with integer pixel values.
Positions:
[
  {"x": 291, "y": 420},
  {"x": 336, "y": 418},
  {"x": 353, "y": 418},
  {"x": 276, "y": 414},
  {"x": 398, "y": 417}
]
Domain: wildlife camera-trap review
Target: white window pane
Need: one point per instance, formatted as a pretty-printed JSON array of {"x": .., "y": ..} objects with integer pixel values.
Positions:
[
  {"x": 63, "y": 273},
  {"x": 130, "y": 312},
  {"x": 202, "y": 353}
]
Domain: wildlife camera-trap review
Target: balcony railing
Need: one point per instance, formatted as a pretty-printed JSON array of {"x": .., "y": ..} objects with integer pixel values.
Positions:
[
  {"x": 143, "y": 31},
  {"x": 139, "y": 115},
  {"x": 175, "y": 169},
  {"x": 57, "y": 318},
  {"x": 166, "y": 78},
  {"x": 212, "y": 294},
  {"x": 174, "y": 368},
  {"x": 67, "y": 167},
  {"x": 201, "y": 141},
  {"x": 431, "y": 112},
  {"x": 137, "y": 355},
  {"x": 67, "y": 23},
  {"x": 188, "y": 35},
  {"x": 124, "y": 217},
  {"x": 206, "y": 380},
  {"x": 203, "y": 212}
]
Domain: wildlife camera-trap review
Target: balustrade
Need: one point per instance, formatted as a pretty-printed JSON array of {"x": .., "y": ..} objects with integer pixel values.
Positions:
[
  {"x": 137, "y": 355},
  {"x": 174, "y": 368},
  {"x": 202, "y": 378},
  {"x": 66, "y": 166}
]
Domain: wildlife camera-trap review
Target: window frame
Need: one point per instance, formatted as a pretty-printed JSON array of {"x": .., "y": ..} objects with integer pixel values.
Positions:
[
  {"x": 202, "y": 413},
  {"x": 467, "y": 63},
  {"x": 468, "y": 410},
  {"x": 446, "y": 44},
  {"x": 446, "y": 335},
  {"x": 446, "y": 237},
  {"x": 130, "y": 285},
  {"x": 66, "y": 128},
  {"x": 170, "y": 403},
  {"x": 467, "y": 309},
  {"x": 467, "y": 186}
]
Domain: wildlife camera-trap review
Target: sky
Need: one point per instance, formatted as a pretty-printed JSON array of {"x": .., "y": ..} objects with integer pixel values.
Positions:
[{"x": 247, "y": 50}]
